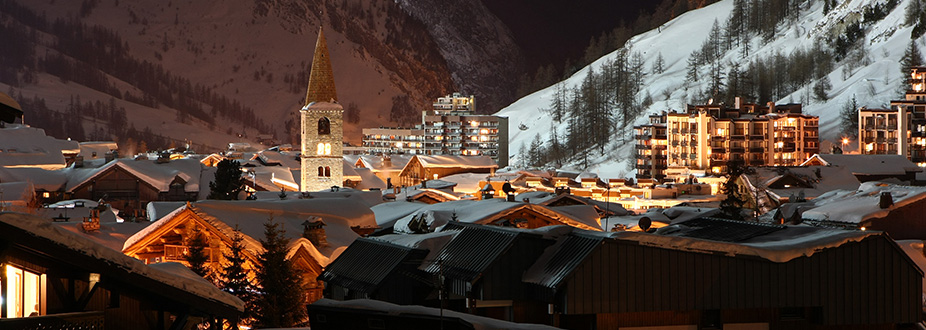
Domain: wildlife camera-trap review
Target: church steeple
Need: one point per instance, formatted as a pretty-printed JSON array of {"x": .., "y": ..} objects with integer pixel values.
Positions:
[{"x": 321, "y": 79}]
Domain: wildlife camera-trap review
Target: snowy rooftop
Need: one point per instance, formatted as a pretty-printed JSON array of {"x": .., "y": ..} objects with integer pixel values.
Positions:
[
  {"x": 48, "y": 180},
  {"x": 856, "y": 206},
  {"x": 24, "y": 146},
  {"x": 285, "y": 159},
  {"x": 158, "y": 175},
  {"x": 457, "y": 161},
  {"x": 379, "y": 164},
  {"x": 869, "y": 164},
  {"x": 45, "y": 229},
  {"x": 339, "y": 215},
  {"x": 478, "y": 211}
]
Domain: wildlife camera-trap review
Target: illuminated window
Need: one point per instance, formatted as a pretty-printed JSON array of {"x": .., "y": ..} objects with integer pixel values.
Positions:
[
  {"x": 23, "y": 296},
  {"x": 323, "y": 149}
]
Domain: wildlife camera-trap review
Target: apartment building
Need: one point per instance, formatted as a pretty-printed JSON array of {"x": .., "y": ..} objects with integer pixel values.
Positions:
[
  {"x": 706, "y": 138},
  {"x": 450, "y": 127},
  {"x": 900, "y": 130}
]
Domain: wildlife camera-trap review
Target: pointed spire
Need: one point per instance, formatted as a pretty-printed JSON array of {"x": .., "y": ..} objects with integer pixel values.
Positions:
[{"x": 321, "y": 78}]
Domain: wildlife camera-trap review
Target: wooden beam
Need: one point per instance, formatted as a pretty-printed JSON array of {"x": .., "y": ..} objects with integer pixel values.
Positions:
[{"x": 180, "y": 322}]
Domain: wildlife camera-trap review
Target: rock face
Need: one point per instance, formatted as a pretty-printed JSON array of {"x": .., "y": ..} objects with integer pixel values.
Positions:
[{"x": 479, "y": 49}]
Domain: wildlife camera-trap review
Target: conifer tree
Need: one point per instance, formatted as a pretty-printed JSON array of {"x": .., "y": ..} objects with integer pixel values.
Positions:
[
  {"x": 849, "y": 118},
  {"x": 659, "y": 64},
  {"x": 281, "y": 302},
  {"x": 731, "y": 206},
  {"x": 234, "y": 278},
  {"x": 911, "y": 58},
  {"x": 196, "y": 254},
  {"x": 228, "y": 181}
]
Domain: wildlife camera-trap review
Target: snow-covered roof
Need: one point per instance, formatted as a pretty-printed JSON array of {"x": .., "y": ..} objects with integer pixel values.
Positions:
[
  {"x": 368, "y": 179},
  {"x": 379, "y": 163},
  {"x": 157, "y": 210},
  {"x": 869, "y": 164},
  {"x": 48, "y": 180},
  {"x": 466, "y": 182},
  {"x": 457, "y": 161},
  {"x": 24, "y": 146},
  {"x": 157, "y": 175},
  {"x": 857, "y": 206},
  {"x": 488, "y": 210},
  {"x": 111, "y": 234},
  {"x": 45, "y": 229},
  {"x": 18, "y": 193},
  {"x": 388, "y": 213},
  {"x": 269, "y": 178},
  {"x": 478, "y": 322},
  {"x": 285, "y": 159},
  {"x": 96, "y": 149},
  {"x": 349, "y": 173},
  {"x": 781, "y": 245},
  {"x": 340, "y": 214},
  {"x": 830, "y": 178}
]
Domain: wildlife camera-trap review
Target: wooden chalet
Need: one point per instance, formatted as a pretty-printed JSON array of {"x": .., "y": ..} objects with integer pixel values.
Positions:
[
  {"x": 130, "y": 184},
  {"x": 315, "y": 234},
  {"x": 422, "y": 167},
  {"x": 53, "y": 279},
  {"x": 376, "y": 269}
]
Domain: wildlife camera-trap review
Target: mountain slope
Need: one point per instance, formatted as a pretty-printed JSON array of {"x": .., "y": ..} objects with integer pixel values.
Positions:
[{"x": 872, "y": 76}]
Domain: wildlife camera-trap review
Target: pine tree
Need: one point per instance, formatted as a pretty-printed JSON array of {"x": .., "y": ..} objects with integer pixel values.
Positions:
[
  {"x": 234, "y": 278},
  {"x": 228, "y": 181},
  {"x": 731, "y": 206},
  {"x": 849, "y": 118},
  {"x": 911, "y": 58},
  {"x": 196, "y": 255},
  {"x": 659, "y": 64},
  {"x": 691, "y": 76},
  {"x": 822, "y": 88},
  {"x": 281, "y": 301}
]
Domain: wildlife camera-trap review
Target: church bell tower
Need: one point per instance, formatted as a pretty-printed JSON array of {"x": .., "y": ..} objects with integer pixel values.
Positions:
[{"x": 322, "y": 129}]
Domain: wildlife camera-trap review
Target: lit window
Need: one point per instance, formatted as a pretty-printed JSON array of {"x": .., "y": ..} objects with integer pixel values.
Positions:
[
  {"x": 327, "y": 148},
  {"x": 23, "y": 296},
  {"x": 321, "y": 149}
]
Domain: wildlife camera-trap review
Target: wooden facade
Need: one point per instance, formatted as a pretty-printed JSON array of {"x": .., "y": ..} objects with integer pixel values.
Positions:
[
  {"x": 870, "y": 283},
  {"x": 81, "y": 290},
  {"x": 128, "y": 192},
  {"x": 415, "y": 171},
  {"x": 169, "y": 242}
]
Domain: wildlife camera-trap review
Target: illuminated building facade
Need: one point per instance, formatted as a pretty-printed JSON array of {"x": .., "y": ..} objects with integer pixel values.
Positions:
[
  {"x": 900, "y": 130},
  {"x": 451, "y": 127},
  {"x": 706, "y": 138}
]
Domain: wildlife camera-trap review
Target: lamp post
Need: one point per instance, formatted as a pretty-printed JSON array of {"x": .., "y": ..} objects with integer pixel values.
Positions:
[{"x": 845, "y": 143}]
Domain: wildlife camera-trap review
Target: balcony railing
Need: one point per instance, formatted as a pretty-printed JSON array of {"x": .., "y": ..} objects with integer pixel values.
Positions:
[{"x": 83, "y": 320}]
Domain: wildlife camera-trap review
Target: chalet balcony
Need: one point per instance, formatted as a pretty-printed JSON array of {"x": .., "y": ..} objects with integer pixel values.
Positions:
[
  {"x": 642, "y": 136},
  {"x": 717, "y": 150},
  {"x": 643, "y": 146},
  {"x": 756, "y": 136},
  {"x": 718, "y": 137},
  {"x": 738, "y": 137},
  {"x": 737, "y": 149},
  {"x": 662, "y": 136},
  {"x": 756, "y": 149}
]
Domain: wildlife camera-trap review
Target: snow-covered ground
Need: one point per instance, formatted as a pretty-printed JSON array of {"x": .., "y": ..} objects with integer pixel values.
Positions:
[{"x": 873, "y": 84}]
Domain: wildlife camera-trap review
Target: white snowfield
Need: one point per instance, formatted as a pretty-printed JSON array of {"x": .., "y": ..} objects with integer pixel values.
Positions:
[{"x": 874, "y": 83}]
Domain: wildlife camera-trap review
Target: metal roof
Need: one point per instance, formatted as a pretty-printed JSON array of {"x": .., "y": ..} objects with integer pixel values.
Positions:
[
  {"x": 561, "y": 259},
  {"x": 471, "y": 252},
  {"x": 367, "y": 262}
]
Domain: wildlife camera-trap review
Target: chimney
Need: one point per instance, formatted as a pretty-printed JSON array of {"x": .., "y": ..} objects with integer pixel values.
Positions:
[
  {"x": 314, "y": 231},
  {"x": 886, "y": 200},
  {"x": 110, "y": 156},
  {"x": 79, "y": 162},
  {"x": 771, "y": 107}
]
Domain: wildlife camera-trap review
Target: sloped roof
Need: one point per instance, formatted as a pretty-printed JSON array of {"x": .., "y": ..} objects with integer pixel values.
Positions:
[
  {"x": 457, "y": 161},
  {"x": 857, "y": 206},
  {"x": 368, "y": 180},
  {"x": 378, "y": 163},
  {"x": 869, "y": 164},
  {"x": 48, "y": 180},
  {"x": 472, "y": 251},
  {"x": 560, "y": 259},
  {"x": 284, "y": 159},
  {"x": 117, "y": 264},
  {"x": 340, "y": 214},
  {"x": 488, "y": 210},
  {"x": 367, "y": 262},
  {"x": 157, "y": 175},
  {"x": 24, "y": 146}
]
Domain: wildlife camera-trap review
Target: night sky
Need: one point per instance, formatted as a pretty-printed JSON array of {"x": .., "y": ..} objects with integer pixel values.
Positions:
[{"x": 549, "y": 31}]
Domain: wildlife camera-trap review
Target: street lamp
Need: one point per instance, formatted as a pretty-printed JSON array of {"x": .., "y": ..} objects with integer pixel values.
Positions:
[{"x": 845, "y": 143}]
